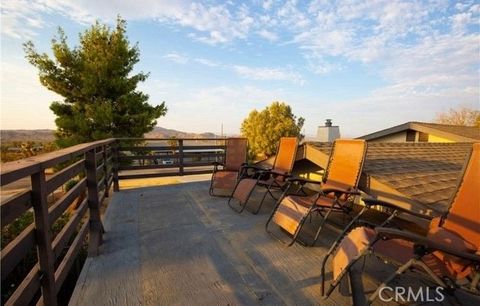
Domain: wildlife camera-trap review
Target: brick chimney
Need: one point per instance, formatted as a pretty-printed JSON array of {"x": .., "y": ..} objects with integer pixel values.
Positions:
[{"x": 329, "y": 132}]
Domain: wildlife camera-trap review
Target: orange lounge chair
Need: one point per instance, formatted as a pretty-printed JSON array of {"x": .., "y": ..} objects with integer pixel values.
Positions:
[
  {"x": 449, "y": 254},
  {"x": 338, "y": 189},
  {"x": 274, "y": 178},
  {"x": 235, "y": 157}
]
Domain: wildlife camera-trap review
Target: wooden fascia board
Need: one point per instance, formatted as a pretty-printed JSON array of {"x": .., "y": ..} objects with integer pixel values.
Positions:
[
  {"x": 386, "y": 132},
  {"x": 440, "y": 133},
  {"x": 316, "y": 156}
]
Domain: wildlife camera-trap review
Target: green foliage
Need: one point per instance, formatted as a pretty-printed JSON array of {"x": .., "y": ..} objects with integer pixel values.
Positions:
[
  {"x": 70, "y": 184},
  {"x": 265, "y": 128},
  {"x": 11, "y": 231},
  {"x": 98, "y": 86}
]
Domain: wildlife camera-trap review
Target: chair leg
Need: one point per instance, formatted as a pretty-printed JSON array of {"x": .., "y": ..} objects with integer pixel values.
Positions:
[
  {"x": 399, "y": 271},
  {"x": 320, "y": 227},
  {"x": 210, "y": 190},
  {"x": 256, "y": 211},
  {"x": 269, "y": 191}
]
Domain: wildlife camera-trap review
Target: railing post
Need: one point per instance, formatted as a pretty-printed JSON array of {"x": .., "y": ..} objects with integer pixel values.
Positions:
[
  {"x": 96, "y": 227},
  {"x": 46, "y": 258},
  {"x": 180, "y": 155},
  {"x": 115, "y": 159},
  {"x": 105, "y": 169}
]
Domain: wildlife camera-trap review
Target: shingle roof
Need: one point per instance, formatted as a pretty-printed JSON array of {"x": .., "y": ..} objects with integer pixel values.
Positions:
[
  {"x": 427, "y": 173},
  {"x": 452, "y": 132}
]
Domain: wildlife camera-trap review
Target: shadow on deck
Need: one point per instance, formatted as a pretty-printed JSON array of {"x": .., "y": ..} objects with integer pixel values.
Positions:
[{"x": 174, "y": 244}]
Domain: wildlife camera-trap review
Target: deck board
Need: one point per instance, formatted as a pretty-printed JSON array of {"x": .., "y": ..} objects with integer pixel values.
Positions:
[{"x": 176, "y": 245}]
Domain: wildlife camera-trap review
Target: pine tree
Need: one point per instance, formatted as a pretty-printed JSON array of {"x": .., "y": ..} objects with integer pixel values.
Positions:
[{"x": 100, "y": 93}]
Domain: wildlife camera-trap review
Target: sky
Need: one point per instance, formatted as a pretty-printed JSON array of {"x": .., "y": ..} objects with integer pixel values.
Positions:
[{"x": 367, "y": 65}]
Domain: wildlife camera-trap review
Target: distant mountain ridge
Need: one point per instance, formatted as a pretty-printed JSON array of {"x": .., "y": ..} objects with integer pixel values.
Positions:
[
  {"x": 43, "y": 135},
  {"x": 159, "y": 132},
  {"x": 46, "y": 135}
]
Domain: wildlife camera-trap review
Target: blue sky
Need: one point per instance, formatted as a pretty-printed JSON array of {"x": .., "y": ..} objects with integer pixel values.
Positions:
[{"x": 367, "y": 65}]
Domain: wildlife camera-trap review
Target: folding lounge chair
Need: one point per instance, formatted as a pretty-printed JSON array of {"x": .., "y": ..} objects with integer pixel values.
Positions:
[
  {"x": 338, "y": 188},
  {"x": 225, "y": 175},
  {"x": 449, "y": 254},
  {"x": 274, "y": 178}
]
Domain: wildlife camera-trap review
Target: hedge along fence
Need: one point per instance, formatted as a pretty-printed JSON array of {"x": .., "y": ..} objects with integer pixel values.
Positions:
[{"x": 94, "y": 163}]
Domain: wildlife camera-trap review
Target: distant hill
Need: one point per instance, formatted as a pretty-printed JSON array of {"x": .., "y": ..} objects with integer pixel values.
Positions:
[
  {"x": 48, "y": 135},
  {"x": 27, "y": 135},
  {"x": 159, "y": 132}
]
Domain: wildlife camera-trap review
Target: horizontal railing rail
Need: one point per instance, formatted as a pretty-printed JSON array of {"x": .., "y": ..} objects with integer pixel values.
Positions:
[
  {"x": 168, "y": 156},
  {"x": 90, "y": 170}
]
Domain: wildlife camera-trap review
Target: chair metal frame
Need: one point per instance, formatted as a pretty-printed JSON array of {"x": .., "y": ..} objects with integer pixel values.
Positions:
[
  {"x": 259, "y": 175},
  {"x": 344, "y": 206}
]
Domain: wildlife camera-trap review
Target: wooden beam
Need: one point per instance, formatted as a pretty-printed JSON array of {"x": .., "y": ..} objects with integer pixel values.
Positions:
[
  {"x": 13, "y": 207},
  {"x": 46, "y": 258},
  {"x": 180, "y": 157},
  {"x": 115, "y": 166},
  {"x": 105, "y": 168},
  {"x": 96, "y": 227}
]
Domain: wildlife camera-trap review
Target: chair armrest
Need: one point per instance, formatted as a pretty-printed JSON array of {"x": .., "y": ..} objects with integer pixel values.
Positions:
[
  {"x": 216, "y": 165},
  {"x": 284, "y": 174},
  {"x": 391, "y": 233},
  {"x": 303, "y": 181},
  {"x": 256, "y": 168},
  {"x": 372, "y": 202},
  {"x": 351, "y": 191}
]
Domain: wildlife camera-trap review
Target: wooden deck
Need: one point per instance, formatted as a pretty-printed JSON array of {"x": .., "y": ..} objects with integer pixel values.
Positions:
[{"x": 176, "y": 245}]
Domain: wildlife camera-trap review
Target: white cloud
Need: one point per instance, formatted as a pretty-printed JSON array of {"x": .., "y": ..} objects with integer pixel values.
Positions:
[
  {"x": 276, "y": 74},
  {"x": 425, "y": 51},
  {"x": 213, "y": 23},
  {"x": 268, "y": 35},
  {"x": 177, "y": 58},
  {"x": 267, "y": 4},
  {"x": 207, "y": 62}
]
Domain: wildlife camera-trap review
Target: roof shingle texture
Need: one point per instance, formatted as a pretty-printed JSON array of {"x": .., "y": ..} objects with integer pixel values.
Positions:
[{"x": 425, "y": 172}]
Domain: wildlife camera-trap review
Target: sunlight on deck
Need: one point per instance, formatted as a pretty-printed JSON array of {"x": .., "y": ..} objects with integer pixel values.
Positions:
[{"x": 174, "y": 244}]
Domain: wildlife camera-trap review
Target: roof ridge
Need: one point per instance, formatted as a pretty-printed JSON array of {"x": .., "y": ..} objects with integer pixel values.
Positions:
[{"x": 434, "y": 123}]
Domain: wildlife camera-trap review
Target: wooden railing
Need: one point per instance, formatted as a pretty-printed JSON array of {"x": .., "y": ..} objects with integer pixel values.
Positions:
[
  {"x": 91, "y": 165},
  {"x": 169, "y": 157},
  {"x": 95, "y": 167}
]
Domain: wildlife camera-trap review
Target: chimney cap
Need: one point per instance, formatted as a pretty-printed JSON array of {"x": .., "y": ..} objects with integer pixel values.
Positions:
[{"x": 328, "y": 122}]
